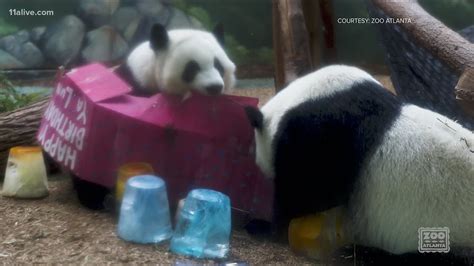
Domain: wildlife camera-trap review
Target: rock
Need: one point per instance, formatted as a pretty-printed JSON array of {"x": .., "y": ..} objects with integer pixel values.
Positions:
[
  {"x": 179, "y": 20},
  {"x": 123, "y": 17},
  {"x": 7, "y": 61},
  {"x": 36, "y": 34},
  {"x": 196, "y": 24},
  {"x": 141, "y": 32},
  {"x": 129, "y": 32},
  {"x": 96, "y": 13},
  {"x": 151, "y": 8},
  {"x": 22, "y": 36},
  {"x": 30, "y": 55},
  {"x": 8, "y": 42},
  {"x": 104, "y": 44},
  {"x": 62, "y": 41},
  {"x": 19, "y": 46}
]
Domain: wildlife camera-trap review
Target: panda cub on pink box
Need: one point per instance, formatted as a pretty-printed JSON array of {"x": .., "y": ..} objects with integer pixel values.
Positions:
[
  {"x": 177, "y": 62},
  {"x": 181, "y": 61}
]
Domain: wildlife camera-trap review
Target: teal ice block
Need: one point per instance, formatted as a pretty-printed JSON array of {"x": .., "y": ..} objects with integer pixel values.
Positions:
[
  {"x": 204, "y": 225},
  {"x": 144, "y": 213}
]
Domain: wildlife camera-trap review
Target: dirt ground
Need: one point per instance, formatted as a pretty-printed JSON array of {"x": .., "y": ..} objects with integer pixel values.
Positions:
[{"x": 57, "y": 229}]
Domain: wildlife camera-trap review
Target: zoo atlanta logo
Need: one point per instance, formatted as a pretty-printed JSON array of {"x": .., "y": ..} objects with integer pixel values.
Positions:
[{"x": 433, "y": 239}]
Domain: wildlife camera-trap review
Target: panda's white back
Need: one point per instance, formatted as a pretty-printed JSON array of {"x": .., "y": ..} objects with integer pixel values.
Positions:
[
  {"x": 141, "y": 62},
  {"x": 421, "y": 176}
]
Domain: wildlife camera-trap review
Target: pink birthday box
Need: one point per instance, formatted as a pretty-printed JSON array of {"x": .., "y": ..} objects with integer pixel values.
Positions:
[{"x": 93, "y": 125}]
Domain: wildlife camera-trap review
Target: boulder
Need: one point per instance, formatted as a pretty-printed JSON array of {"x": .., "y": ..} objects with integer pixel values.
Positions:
[
  {"x": 151, "y": 8},
  {"x": 141, "y": 32},
  {"x": 123, "y": 16},
  {"x": 179, "y": 20},
  {"x": 130, "y": 30},
  {"x": 96, "y": 13},
  {"x": 22, "y": 36},
  {"x": 30, "y": 55},
  {"x": 62, "y": 41},
  {"x": 196, "y": 24},
  {"x": 7, "y": 61},
  {"x": 105, "y": 45},
  {"x": 36, "y": 34},
  {"x": 19, "y": 46}
]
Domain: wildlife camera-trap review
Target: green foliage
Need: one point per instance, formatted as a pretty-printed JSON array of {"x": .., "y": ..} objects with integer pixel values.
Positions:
[
  {"x": 237, "y": 52},
  {"x": 10, "y": 99},
  {"x": 6, "y": 28}
]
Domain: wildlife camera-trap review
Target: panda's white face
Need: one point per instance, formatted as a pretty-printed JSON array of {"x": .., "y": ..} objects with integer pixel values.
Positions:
[
  {"x": 181, "y": 61},
  {"x": 194, "y": 61}
]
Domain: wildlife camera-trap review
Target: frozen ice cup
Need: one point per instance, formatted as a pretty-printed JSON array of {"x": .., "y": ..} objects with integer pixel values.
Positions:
[
  {"x": 204, "y": 225},
  {"x": 128, "y": 171},
  {"x": 144, "y": 213},
  {"x": 25, "y": 175}
]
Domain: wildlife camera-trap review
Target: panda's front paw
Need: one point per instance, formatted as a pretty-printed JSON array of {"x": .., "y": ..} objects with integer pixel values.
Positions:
[{"x": 90, "y": 195}]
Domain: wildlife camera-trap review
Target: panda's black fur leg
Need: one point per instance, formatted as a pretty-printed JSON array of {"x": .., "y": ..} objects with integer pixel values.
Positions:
[
  {"x": 51, "y": 166},
  {"x": 90, "y": 195},
  {"x": 125, "y": 73},
  {"x": 259, "y": 228}
]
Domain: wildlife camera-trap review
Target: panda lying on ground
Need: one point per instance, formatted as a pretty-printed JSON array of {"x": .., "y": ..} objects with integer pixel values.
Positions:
[
  {"x": 337, "y": 137},
  {"x": 180, "y": 61}
]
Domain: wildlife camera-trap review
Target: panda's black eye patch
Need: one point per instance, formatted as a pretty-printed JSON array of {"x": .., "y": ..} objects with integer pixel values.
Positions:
[
  {"x": 219, "y": 67},
  {"x": 190, "y": 71}
]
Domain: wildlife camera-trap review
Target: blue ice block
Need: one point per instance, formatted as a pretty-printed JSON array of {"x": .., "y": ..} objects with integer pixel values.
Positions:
[
  {"x": 144, "y": 214},
  {"x": 204, "y": 225}
]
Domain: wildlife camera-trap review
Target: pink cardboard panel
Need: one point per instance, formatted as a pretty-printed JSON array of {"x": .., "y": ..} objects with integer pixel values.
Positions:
[{"x": 92, "y": 126}]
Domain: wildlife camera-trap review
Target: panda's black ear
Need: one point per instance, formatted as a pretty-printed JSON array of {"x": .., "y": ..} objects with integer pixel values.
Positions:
[
  {"x": 159, "y": 38},
  {"x": 218, "y": 32},
  {"x": 255, "y": 117}
]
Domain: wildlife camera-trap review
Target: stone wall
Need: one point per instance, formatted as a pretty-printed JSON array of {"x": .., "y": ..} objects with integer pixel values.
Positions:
[{"x": 100, "y": 30}]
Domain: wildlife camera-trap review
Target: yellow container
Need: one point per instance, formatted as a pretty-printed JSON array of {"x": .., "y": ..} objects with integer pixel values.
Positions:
[
  {"x": 24, "y": 150},
  {"x": 127, "y": 171},
  {"x": 25, "y": 174},
  {"x": 318, "y": 235}
]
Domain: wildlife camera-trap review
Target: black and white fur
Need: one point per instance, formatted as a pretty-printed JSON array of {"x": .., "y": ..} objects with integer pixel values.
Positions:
[
  {"x": 181, "y": 61},
  {"x": 175, "y": 62},
  {"x": 337, "y": 137}
]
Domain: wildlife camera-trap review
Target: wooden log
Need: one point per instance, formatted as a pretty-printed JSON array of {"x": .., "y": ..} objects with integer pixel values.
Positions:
[
  {"x": 19, "y": 127},
  {"x": 465, "y": 91},
  {"x": 327, "y": 17},
  {"x": 291, "y": 42},
  {"x": 314, "y": 24}
]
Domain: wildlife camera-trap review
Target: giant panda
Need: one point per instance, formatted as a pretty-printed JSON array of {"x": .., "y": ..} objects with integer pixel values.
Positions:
[
  {"x": 180, "y": 61},
  {"x": 177, "y": 62},
  {"x": 337, "y": 137}
]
